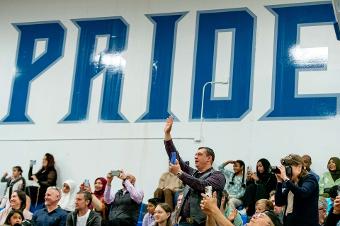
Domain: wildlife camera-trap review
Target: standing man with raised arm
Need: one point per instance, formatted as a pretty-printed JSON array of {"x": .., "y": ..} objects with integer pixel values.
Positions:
[{"x": 195, "y": 179}]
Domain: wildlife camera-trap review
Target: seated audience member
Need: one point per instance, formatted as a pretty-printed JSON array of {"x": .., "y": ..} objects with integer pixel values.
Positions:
[
  {"x": 97, "y": 202},
  {"x": 322, "y": 210},
  {"x": 68, "y": 196},
  {"x": 259, "y": 185},
  {"x": 307, "y": 160},
  {"x": 278, "y": 210},
  {"x": 168, "y": 184},
  {"x": 83, "y": 216},
  {"x": 235, "y": 182},
  {"x": 148, "y": 218},
  {"x": 215, "y": 217},
  {"x": 15, "y": 218},
  {"x": 125, "y": 203},
  {"x": 15, "y": 182},
  {"x": 45, "y": 177},
  {"x": 229, "y": 212},
  {"x": 333, "y": 217},
  {"x": 162, "y": 215},
  {"x": 263, "y": 205},
  {"x": 298, "y": 191},
  {"x": 175, "y": 218},
  {"x": 52, "y": 214},
  {"x": 17, "y": 202},
  {"x": 330, "y": 178}
]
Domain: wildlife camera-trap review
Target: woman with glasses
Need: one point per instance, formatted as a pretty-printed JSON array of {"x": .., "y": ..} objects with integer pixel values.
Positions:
[{"x": 298, "y": 191}]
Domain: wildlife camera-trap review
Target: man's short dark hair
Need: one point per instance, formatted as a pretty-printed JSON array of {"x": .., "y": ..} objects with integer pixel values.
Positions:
[
  {"x": 209, "y": 152},
  {"x": 154, "y": 201},
  {"x": 87, "y": 196}
]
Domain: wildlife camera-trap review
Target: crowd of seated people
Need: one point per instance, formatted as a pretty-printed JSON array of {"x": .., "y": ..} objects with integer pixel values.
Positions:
[
  {"x": 293, "y": 197},
  {"x": 290, "y": 194}
]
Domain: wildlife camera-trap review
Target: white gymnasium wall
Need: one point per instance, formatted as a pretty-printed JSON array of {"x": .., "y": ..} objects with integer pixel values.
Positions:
[{"x": 90, "y": 149}]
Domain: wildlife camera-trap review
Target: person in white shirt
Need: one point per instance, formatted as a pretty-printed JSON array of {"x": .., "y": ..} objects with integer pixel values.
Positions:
[{"x": 83, "y": 216}]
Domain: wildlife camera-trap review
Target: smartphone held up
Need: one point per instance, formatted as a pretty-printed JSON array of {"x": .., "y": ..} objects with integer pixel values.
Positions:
[{"x": 173, "y": 158}]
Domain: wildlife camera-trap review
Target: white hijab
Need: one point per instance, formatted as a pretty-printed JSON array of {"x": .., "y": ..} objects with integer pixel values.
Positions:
[{"x": 67, "y": 201}]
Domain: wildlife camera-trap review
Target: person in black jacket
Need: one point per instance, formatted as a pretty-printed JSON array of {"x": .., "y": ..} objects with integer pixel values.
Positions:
[
  {"x": 259, "y": 185},
  {"x": 45, "y": 177},
  {"x": 298, "y": 191},
  {"x": 82, "y": 214}
]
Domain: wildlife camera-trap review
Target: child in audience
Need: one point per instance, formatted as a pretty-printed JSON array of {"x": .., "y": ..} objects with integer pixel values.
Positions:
[
  {"x": 230, "y": 212},
  {"x": 162, "y": 215},
  {"x": 149, "y": 219},
  {"x": 235, "y": 185},
  {"x": 14, "y": 183},
  {"x": 15, "y": 217},
  {"x": 68, "y": 196},
  {"x": 263, "y": 205}
]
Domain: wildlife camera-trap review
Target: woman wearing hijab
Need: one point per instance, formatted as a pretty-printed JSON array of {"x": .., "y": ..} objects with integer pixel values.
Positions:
[
  {"x": 98, "y": 203},
  {"x": 330, "y": 178},
  {"x": 68, "y": 196},
  {"x": 259, "y": 185}
]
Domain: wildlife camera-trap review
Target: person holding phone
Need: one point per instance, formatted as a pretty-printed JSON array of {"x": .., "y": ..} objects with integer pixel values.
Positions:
[
  {"x": 45, "y": 177},
  {"x": 259, "y": 184},
  {"x": 97, "y": 203},
  {"x": 299, "y": 193},
  {"x": 196, "y": 180},
  {"x": 125, "y": 203}
]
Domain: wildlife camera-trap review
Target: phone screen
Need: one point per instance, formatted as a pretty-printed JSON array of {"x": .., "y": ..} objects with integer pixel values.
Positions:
[
  {"x": 115, "y": 173},
  {"x": 173, "y": 158}
]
